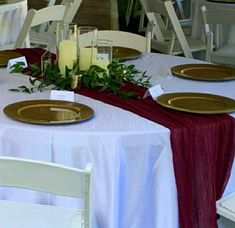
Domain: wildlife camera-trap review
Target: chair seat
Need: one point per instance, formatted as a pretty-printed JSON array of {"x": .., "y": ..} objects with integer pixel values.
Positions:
[
  {"x": 43, "y": 38},
  {"x": 30, "y": 215},
  {"x": 225, "y": 54},
  {"x": 194, "y": 44},
  {"x": 226, "y": 50}
]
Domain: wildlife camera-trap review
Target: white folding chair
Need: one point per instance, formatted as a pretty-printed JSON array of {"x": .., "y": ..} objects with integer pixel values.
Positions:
[
  {"x": 11, "y": 19},
  {"x": 180, "y": 9},
  {"x": 34, "y": 17},
  {"x": 225, "y": 207},
  {"x": 127, "y": 39},
  {"x": 121, "y": 39},
  {"x": 75, "y": 4},
  {"x": 149, "y": 6},
  {"x": 44, "y": 177},
  {"x": 219, "y": 50},
  {"x": 51, "y": 2},
  {"x": 73, "y": 10},
  {"x": 137, "y": 11},
  {"x": 170, "y": 41}
]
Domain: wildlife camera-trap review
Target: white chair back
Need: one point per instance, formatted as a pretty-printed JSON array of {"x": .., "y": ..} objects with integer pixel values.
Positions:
[
  {"x": 216, "y": 22},
  {"x": 73, "y": 10},
  {"x": 36, "y": 17},
  {"x": 44, "y": 177},
  {"x": 121, "y": 39}
]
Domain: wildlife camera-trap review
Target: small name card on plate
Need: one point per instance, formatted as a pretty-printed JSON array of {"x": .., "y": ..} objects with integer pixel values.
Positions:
[
  {"x": 12, "y": 62},
  {"x": 62, "y": 95},
  {"x": 154, "y": 92}
]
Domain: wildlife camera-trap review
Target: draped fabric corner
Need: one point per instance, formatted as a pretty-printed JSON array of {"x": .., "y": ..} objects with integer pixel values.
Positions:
[{"x": 203, "y": 150}]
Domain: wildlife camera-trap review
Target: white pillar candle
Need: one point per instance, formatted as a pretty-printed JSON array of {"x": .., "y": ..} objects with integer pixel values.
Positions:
[{"x": 67, "y": 54}]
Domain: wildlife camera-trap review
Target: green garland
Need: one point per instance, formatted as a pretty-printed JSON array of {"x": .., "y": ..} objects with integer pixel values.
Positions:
[{"x": 111, "y": 80}]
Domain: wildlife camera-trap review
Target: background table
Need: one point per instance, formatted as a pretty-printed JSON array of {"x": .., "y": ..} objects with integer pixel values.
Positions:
[
  {"x": 12, "y": 15},
  {"x": 133, "y": 181}
]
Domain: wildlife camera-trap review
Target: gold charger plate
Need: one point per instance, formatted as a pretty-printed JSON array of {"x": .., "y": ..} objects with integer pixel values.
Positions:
[
  {"x": 201, "y": 103},
  {"x": 124, "y": 53},
  {"x": 48, "y": 112},
  {"x": 5, "y": 56},
  {"x": 204, "y": 72}
]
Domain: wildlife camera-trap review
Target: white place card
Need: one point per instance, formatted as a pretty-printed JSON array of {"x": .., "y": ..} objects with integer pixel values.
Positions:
[
  {"x": 12, "y": 62},
  {"x": 154, "y": 91},
  {"x": 62, "y": 95}
]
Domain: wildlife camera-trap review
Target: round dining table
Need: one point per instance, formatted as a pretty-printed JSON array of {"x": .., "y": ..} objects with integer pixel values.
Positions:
[
  {"x": 133, "y": 183},
  {"x": 12, "y": 15}
]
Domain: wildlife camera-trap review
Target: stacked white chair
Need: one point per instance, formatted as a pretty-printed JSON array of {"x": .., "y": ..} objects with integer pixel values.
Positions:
[
  {"x": 50, "y": 178},
  {"x": 169, "y": 41},
  {"x": 218, "y": 49}
]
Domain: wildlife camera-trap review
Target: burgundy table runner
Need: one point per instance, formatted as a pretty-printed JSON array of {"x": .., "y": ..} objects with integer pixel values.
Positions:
[{"x": 203, "y": 150}]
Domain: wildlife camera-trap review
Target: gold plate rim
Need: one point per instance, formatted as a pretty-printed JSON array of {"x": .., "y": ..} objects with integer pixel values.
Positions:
[
  {"x": 165, "y": 99},
  {"x": 11, "y": 110},
  {"x": 177, "y": 71},
  {"x": 134, "y": 55},
  {"x": 6, "y": 55}
]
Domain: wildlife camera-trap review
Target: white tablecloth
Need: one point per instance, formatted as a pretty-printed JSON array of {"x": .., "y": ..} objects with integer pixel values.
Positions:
[
  {"x": 12, "y": 15},
  {"x": 197, "y": 21},
  {"x": 133, "y": 178}
]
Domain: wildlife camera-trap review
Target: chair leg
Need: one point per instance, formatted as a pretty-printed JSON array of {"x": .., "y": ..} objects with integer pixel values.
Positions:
[
  {"x": 128, "y": 11},
  {"x": 141, "y": 24}
]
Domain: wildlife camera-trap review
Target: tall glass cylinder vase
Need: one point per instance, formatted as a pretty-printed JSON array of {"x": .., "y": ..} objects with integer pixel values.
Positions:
[
  {"x": 67, "y": 48},
  {"x": 102, "y": 51},
  {"x": 85, "y": 36}
]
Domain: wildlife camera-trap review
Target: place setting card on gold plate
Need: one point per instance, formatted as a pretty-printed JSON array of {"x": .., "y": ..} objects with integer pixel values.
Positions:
[
  {"x": 154, "y": 91},
  {"x": 14, "y": 61}
]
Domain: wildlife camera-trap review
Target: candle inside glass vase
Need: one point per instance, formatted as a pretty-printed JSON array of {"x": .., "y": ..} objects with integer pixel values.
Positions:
[
  {"x": 85, "y": 36},
  {"x": 67, "y": 46},
  {"x": 102, "y": 53}
]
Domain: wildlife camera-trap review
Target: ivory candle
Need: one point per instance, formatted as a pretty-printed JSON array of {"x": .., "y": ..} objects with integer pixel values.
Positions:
[
  {"x": 103, "y": 63},
  {"x": 85, "y": 57},
  {"x": 67, "y": 54}
]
